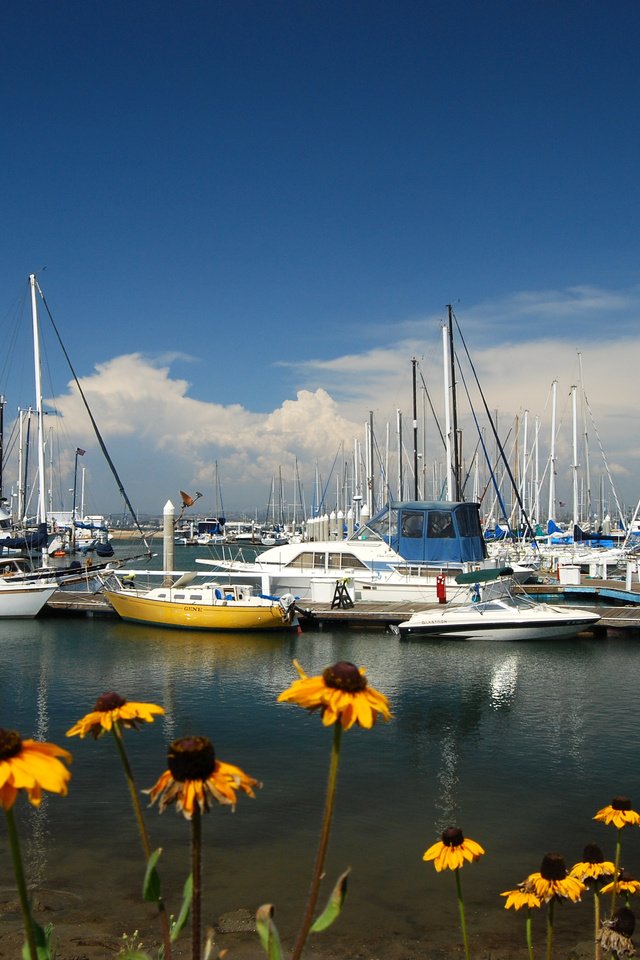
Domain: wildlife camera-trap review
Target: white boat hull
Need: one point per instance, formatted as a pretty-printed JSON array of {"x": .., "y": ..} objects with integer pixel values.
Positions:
[
  {"x": 373, "y": 586},
  {"x": 496, "y": 620},
  {"x": 24, "y": 600}
]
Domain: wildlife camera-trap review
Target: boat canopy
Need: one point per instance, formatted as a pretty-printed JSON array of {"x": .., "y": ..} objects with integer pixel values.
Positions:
[
  {"x": 484, "y": 576},
  {"x": 424, "y": 531}
]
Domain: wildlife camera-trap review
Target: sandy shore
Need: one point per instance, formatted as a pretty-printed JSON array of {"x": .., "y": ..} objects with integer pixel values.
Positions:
[{"x": 82, "y": 934}]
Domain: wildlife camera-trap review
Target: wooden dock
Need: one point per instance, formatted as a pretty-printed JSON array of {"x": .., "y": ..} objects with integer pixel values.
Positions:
[{"x": 622, "y": 614}]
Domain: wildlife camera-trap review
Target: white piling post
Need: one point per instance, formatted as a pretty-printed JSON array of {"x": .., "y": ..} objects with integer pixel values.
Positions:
[
  {"x": 168, "y": 534},
  {"x": 350, "y": 522}
]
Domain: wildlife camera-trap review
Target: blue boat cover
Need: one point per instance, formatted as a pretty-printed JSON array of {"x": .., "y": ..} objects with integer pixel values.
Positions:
[{"x": 436, "y": 532}]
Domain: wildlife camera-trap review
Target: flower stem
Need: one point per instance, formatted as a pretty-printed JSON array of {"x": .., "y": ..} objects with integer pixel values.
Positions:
[
  {"x": 318, "y": 867},
  {"x": 550, "y": 928},
  {"x": 528, "y": 933},
  {"x": 616, "y": 871},
  {"x": 21, "y": 884},
  {"x": 196, "y": 871},
  {"x": 596, "y": 919},
  {"x": 142, "y": 830},
  {"x": 463, "y": 922}
]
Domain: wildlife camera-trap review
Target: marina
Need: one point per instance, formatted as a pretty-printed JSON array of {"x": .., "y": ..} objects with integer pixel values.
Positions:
[{"x": 317, "y": 407}]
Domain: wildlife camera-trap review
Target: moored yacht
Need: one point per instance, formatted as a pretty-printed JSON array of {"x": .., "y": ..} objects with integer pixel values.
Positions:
[{"x": 411, "y": 550}]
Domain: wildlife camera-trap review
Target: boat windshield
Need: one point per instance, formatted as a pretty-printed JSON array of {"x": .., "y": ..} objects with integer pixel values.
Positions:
[{"x": 383, "y": 527}]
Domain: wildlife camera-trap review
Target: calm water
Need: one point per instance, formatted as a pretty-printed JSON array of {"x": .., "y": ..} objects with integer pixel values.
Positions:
[{"x": 519, "y": 745}]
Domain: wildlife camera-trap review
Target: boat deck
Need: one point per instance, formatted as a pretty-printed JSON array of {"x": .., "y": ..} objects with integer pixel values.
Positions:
[{"x": 623, "y": 614}]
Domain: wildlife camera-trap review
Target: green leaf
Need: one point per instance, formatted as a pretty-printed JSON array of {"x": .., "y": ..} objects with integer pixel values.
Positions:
[
  {"x": 44, "y": 942},
  {"x": 267, "y": 932},
  {"x": 151, "y": 887},
  {"x": 334, "y": 905},
  {"x": 183, "y": 916}
]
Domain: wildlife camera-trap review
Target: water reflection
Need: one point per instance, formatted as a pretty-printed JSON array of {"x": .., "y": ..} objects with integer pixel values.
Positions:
[
  {"x": 503, "y": 683},
  {"x": 37, "y": 845}
]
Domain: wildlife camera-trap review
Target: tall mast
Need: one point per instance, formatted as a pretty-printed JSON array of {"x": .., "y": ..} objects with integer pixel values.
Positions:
[
  {"x": 589, "y": 506},
  {"x": 454, "y": 407},
  {"x": 523, "y": 481},
  {"x": 42, "y": 509},
  {"x": 414, "y": 363},
  {"x": 370, "y": 458},
  {"x": 536, "y": 483},
  {"x": 399, "y": 436},
  {"x": 552, "y": 456},
  {"x": 447, "y": 415},
  {"x": 575, "y": 454}
]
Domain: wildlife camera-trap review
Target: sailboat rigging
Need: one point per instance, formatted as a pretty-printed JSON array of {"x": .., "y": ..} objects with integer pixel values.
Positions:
[{"x": 110, "y": 463}]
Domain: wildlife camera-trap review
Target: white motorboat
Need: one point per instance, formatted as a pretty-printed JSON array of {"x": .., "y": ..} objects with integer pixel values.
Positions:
[{"x": 506, "y": 615}]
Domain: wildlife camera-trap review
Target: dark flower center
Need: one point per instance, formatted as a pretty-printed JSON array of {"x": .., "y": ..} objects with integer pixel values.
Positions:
[
  {"x": 10, "y": 744},
  {"x": 109, "y": 701},
  {"x": 344, "y": 676},
  {"x": 592, "y": 853},
  {"x": 624, "y": 921},
  {"x": 621, "y": 803},
  {"x": 191, "y": 758},
  {"x": 452, "y": 837},
  {"x": 553, "y": 867}
]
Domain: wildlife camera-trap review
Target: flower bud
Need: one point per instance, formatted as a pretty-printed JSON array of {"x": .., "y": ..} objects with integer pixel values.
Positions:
[
  {"x": 191, "y": 758},
  {"x": 553, "y": 867},
  {"x": 109, "y": 701},
  {"x": 344, "y": 676}
]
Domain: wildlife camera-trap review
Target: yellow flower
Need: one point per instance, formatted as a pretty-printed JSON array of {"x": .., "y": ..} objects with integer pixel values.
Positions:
[
  {"x": 32, "y": 766},
  {"x": 341, "y": 693},
  {"x": 195, "y": 777},
  {"x": 594, "y": 866},
  {"x": 451, "y": 852},
  {"x": 111, "y": 709},
  {"x": 624, "y": 884},
  {"x": 523, "y": 896},
  {"x": 553, "y": 880},
  {"x": 619, "y": 813}
]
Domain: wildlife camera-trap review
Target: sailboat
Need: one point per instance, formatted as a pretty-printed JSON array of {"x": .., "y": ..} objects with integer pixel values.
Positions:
[
  {"x": 208, "y": 605},
  {"x": 20, "y": 595},
  {"x": 28, "y": 581}
]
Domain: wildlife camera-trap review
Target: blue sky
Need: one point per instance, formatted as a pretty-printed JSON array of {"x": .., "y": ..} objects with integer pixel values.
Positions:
[{"x": 248, "y": 217}]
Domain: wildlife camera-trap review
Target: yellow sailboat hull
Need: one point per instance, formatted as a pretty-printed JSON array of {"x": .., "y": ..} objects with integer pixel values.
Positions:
[{"x": 231, "y": 615}]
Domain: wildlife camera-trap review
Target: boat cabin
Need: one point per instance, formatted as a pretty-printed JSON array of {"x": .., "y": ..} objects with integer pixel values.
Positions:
[{"x": 423, "y": 531}]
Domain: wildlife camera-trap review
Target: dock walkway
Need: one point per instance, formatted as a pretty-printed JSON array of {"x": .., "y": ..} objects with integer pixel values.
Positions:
[{"x": 623, "y": 614}]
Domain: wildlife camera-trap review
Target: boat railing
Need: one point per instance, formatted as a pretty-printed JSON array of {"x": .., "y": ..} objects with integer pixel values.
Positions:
[{"x": 135, "y": 579}]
